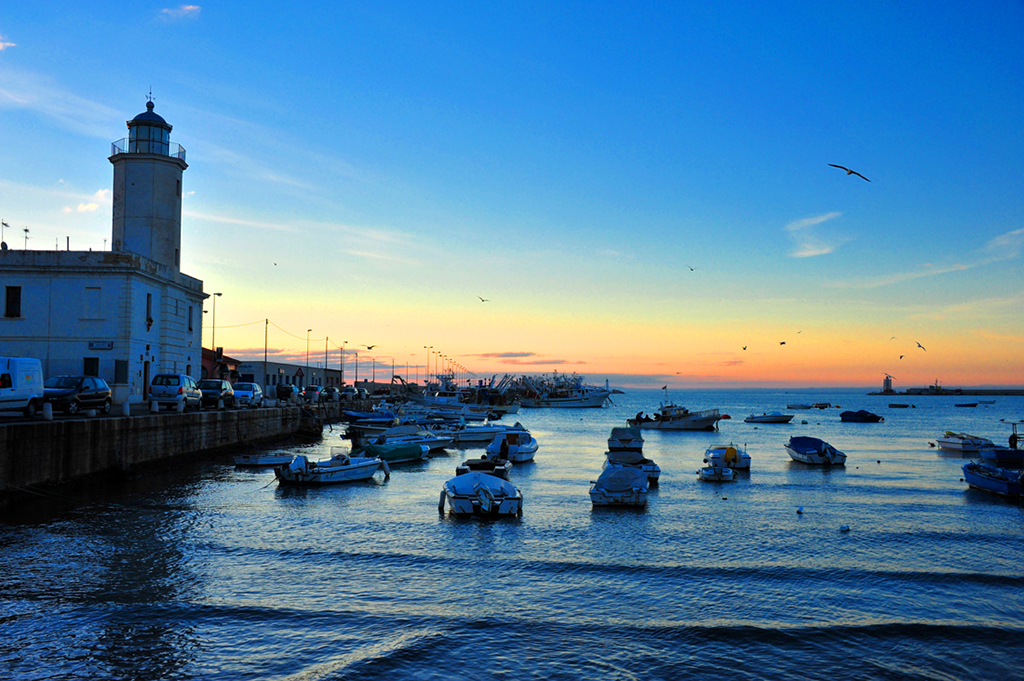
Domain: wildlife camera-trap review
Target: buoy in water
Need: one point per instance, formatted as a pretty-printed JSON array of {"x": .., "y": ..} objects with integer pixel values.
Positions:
[{"x": 844, "y": 528}]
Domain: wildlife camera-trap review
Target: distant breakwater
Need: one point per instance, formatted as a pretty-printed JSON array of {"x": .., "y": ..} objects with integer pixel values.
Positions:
[{"x": 954, "y": 392}]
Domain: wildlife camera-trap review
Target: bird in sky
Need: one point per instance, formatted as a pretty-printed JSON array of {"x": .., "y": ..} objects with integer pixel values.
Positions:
[
  {"x": 744, "y": 347},
  {"x": 849, "y": 172},
  {"x": 484, "y": 300},
  {"x": 892, "y": 338},
  {"x": 921, "y": 346},
  {"x": 368, "y": 347},
  {"x": 782, "y": 342},
  {"x": 692, "y": 268},
  {"x": 901, "y": 356}
]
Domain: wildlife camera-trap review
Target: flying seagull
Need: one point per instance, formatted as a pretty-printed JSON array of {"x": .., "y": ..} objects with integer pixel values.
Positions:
[
  {"x": 484, "y": 300},
  {"x": 744, "y": 347},
  {"x": 849, "y": 172},
  {"x": 901, "y": 356},
  {"x": 921, "y": 346},
  {"x": 782, "y": 342},
  {"x": 368, "y": 347},
  {"x": 692, "y": 268}
]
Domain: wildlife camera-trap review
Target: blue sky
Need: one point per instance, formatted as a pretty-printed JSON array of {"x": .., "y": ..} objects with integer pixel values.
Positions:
[{"x": 570, "y": 164}]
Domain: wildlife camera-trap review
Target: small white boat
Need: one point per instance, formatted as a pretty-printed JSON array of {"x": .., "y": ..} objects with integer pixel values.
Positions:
[
  {"x": 620, "y": 486},
  {"x": 413, "y": 434},
  {"x": 491, "y": 465},
  {"x": 475, "y": 433},
  {"x": 774, "y": 417},
  {"x": 515, "y": 444},
  {"x": 814, "y": 451},
  {"x": 962, "y": 442},
  {"x": 729, "y": 456},
  {"x": 716, "y": 474},
  {"x": 625, "y": 440},
  {"x": 633, "y": 460},
  {"x": 340, "y": 468},
  {"x": 480, "y": 494},
  {"x": 263, "y": 459}
]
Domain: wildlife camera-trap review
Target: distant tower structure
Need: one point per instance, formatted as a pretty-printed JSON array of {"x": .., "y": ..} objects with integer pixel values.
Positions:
[
  {"x": 147, "y": 190},
  {"x": 887, "y": 384}
]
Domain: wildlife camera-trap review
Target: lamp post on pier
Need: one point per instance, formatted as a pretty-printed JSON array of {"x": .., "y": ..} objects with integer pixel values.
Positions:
[{"x": 306, "y": 377}]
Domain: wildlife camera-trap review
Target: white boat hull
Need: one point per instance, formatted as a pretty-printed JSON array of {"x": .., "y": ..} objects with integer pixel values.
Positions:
[
  {"x": 719, "y": 455},
  {"x": 588, "y": 400},
  {"x": 961, "y": 442},
  {"x": 651, "y": 469},
  {"x": 301, "y": 471},
  {"x": 480, "y": 494},
  {"x": 255, "y": 460},
  {"x": 716, "y": 474},
  {"x": 602, "y": 497},
  {"x": 701, "y": 420},
  {"x": 818, "y": 459}
]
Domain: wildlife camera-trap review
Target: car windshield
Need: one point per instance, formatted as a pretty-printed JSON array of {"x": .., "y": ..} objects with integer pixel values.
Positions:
[
  {"x": 209, "y": 385},
  {"x": 244, "y": 387},
  {"x": 63, "y": 382},
  {"x": 166, "y": 380}
]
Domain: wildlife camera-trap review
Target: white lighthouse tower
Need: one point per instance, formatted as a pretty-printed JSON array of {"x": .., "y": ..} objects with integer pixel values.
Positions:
[{"x": 147, "y": 190}]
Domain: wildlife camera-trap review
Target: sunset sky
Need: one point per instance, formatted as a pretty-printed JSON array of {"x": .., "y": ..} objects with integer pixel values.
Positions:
[{"x": 640, "y": 191}]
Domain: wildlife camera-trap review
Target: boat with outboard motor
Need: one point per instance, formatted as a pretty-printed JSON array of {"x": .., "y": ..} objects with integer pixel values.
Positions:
[
  {"x": 716, "y": 474},
  {"x": 674, "y": 417},
  {"x": 625, "y": 440},
  {"x": 728, "y": 456},
  {"x": 812, "y": 450},
  {"x": 774, "y": 417},
  {"x": 477, "y": 493},
  {"x": 339, "y": 468},
  {"x": 410, "y": 434},
  {"x": 620, "y": 486},
  {"x": 962, "y": 442},
  {"x": 860, "y": 416}
]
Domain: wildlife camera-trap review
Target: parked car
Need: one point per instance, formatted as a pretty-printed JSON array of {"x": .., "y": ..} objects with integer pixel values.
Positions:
[
  {"x": 21, "y": 384},
  {"x": 170, "y": 389},
  {"x": 217, "y": 389},
  {"x": 311, "y": 393},
  {"x": 331, "y": 394},
  {"x": 71, "y": 394},
  {"x": 283, "y": 392},
  {"x": 347, "y": 394},
  {"x": 248, "y": 395},
  {"x": 362, "y": 394}
]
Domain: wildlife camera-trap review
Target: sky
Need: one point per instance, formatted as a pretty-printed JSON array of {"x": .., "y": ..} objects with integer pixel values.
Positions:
[{"x": 640, "y": 192}]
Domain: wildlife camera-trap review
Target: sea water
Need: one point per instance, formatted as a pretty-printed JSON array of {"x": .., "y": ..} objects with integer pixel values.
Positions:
[{"x": 207, "y": 571}]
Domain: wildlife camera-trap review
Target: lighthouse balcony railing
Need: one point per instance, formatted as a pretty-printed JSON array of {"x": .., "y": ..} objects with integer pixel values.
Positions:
[{"x": 131, "y": 146}]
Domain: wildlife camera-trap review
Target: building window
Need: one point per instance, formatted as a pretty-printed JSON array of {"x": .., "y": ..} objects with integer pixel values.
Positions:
[
  {"x": 177, "y": 257},
  {"x": 189, "y": 317},
  {"x": 91, "y": 366},
  {"x": 149, "y": 306},
  {"x": 12, "y": 304},
  {"x": 92, "y": 302},
  {"x": 179, "y": 189}
]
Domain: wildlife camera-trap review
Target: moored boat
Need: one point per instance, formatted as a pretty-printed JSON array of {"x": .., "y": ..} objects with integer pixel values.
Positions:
[
  {"x": 263, "y": 459},
  {"x": 774, "y": 417},
  {"x": 515, "y": 444},
  {"x": 993, "y": 479},
  {"x": 716, "y": 474},
  {"x": 798, "y": 406},
  {"x": 812, "y": 450},
  {"x": 728, "y": 456},
  {"x": 481, "y": 494},
  {"x": 674, "y": 417},
  {"x": 962, "y": 442},
  {"x": 561, "y": 391},
  {"x": 633, "y": 460},
  {"x": 620, "y": 487},
  {"x": 625, "y": 440},
  {"x": 491, "y": 465},
  {"x": 337, "y": 469},
  {"x": 392, "y": 453},
  {"x": 860, "y": 416}
]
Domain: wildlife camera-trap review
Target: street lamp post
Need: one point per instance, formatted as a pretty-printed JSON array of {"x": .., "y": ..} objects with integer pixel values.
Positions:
[
  {"x": 343, "y": 362},
  {"x": 213, "y": 340},
  {"x": 306, "y": 377},
  {"x": 426, "y": 371}
]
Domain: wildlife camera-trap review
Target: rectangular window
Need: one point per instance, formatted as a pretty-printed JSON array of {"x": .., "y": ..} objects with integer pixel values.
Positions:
[
  {"x": 149, "y": 306},
  {"x": 92, "y": 302},
  {"x": 189, "y": 317},
  {"x": 91, "y": 366},
  {"x": 179, "y": 189},
  {"x": 12, "y": 304}
]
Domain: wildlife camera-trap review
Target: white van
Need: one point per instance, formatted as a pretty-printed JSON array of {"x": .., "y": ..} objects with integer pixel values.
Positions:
[{"x": 21, "y": 384}]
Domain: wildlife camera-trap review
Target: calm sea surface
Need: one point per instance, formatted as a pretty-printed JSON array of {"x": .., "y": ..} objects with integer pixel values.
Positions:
[{"x": 213, "y": 572}]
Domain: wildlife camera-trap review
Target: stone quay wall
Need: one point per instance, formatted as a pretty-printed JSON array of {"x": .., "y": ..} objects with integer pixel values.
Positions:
[{"x": 53, "y": 452}]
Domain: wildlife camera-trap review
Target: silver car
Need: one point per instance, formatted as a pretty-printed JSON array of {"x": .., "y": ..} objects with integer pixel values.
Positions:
[
  {"x": 170, "y": 389},
  {"x": 248, "y": 395}
]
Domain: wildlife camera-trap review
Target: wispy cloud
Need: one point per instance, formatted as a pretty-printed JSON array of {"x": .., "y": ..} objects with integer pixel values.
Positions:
[
  {"x": 390, "y": 257},
  {"x": 998, "y": 249},
  {"x": 807, "y": 240},
  {"x": 36, "y": 92},
  {"x": 275, "y": 226},
  {"x": 504, "y": 355},
  {"x": 4, "y": 44},
  {"x": 181, "y": 12}
]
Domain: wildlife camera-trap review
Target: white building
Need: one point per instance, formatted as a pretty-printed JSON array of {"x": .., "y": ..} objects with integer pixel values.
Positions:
[{"x": 124, "y": 314}]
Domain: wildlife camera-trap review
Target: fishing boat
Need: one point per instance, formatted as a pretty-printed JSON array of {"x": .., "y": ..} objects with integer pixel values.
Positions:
[
  {"x": 393, "y": 453},
  {"x": 562, "y": 391},
  {"x": 620, "y": 487},
  {"x": 337, "y": 469},
  {"x": 633, "y": 460},
  {"x": 1002, "y": 456},
  {"x": 716, "y": 474},
  {"x": 860, "y": 416},
  {"x": 675, "y": 417},
  {"x": 728, "y": 456},
  {"x": 992, "y": 479},
  {"x": 812, "y": 450},
  {"x": 515, "y": 444},
  {"x": 774, "y": 417},
  {"x": 625, "y": 440},
  {"x": 480, "y": 494},
  {"x": 962, "y": 442}
]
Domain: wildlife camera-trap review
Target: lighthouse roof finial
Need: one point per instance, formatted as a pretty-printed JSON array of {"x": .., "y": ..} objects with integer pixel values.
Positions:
[{"x": 149, "y": 117}]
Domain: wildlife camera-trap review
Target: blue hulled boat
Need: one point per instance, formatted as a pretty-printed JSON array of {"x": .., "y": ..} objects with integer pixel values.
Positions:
[{"x": 992, "y": 479}]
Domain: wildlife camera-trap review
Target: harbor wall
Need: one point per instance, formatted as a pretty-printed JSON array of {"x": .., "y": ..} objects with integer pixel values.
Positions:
[{"x": 53, "y": 452}]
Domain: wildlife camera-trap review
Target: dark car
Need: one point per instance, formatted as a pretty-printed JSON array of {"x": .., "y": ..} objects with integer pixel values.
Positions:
[
  {"x": 74, "y": 393},
  {"x": 217, "y": 389},
  {"x": 330, "y": 395},
  {"x": 311, "y": 393}
]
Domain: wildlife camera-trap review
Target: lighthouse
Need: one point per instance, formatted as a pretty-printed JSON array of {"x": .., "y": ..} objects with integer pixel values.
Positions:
[{"x": 147, "y": 190}]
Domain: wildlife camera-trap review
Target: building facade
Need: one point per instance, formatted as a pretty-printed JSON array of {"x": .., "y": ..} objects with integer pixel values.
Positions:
[{"x": 124, "y": 314}]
